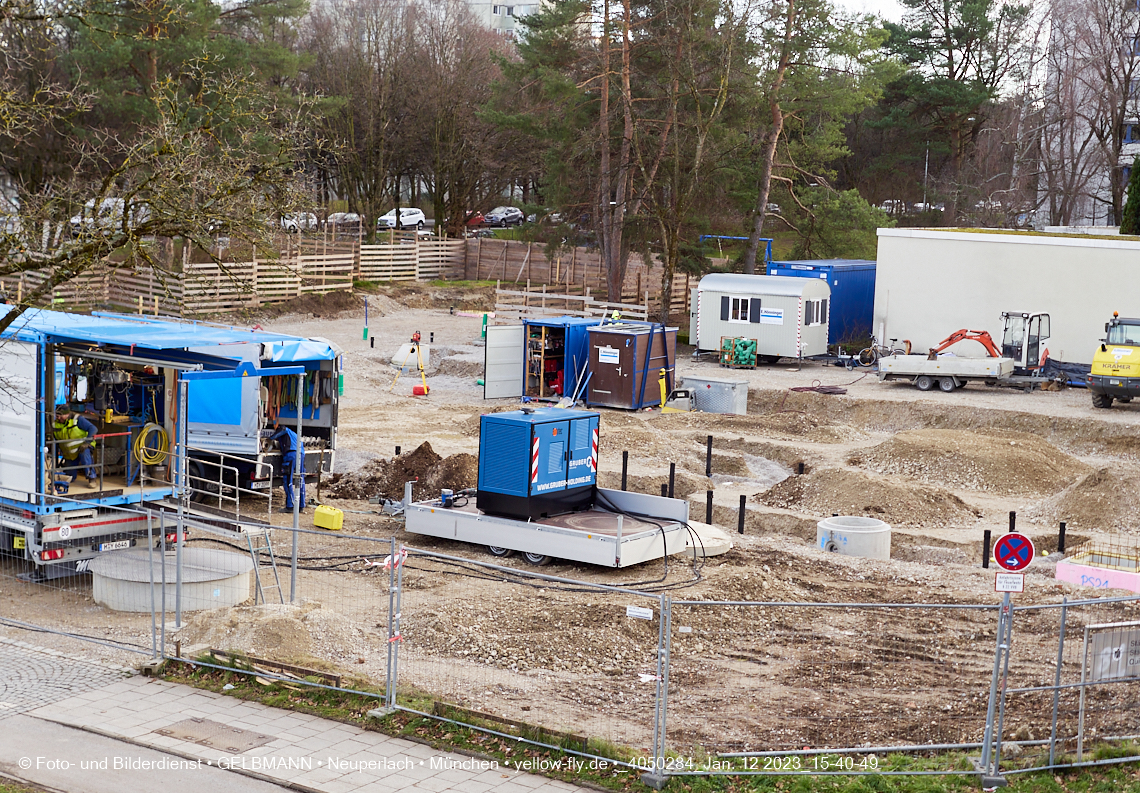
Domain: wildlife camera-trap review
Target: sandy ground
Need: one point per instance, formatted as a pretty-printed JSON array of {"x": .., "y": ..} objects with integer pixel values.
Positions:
[{"x": 940, "y": 468}]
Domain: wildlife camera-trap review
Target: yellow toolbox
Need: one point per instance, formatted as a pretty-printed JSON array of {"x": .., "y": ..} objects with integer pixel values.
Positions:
[{"x": 329, "y": 518}]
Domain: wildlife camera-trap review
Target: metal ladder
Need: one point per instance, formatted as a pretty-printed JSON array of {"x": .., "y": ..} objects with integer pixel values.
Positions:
[{"x": 260, "y": 545}]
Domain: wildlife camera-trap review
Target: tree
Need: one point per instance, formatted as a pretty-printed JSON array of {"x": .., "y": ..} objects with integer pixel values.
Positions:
[
  {"x": 1130, "y": 220},
  {"x": 222, "y": 155},
  {"x": 822, "y": 69},
  {"x": 835, "y": 225},
  {"x": 959, "y": 54}
]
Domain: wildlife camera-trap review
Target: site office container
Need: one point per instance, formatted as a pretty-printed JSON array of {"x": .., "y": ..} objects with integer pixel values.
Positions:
[
  {"x": 852, "y": 283},
  {"x": 788, "y": 317},
  {"x": 541, "y": 358},
  {"x": 626, "y": 360},
  {"x": 135, "y": 368}
]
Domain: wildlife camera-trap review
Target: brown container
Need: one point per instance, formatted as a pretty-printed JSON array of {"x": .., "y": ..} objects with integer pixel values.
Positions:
[{"x": 626, "y": 360}]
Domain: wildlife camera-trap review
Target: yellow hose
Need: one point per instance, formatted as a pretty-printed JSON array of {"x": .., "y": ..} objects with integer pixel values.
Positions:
[{"x": 147, "y": 455}]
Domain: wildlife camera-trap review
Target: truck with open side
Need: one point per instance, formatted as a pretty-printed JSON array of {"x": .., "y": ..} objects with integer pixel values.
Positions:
[
  {"x": 538, "y": 496},
  {"x": 181, "y": 411},
  {"x": 1018, "y": 362}
]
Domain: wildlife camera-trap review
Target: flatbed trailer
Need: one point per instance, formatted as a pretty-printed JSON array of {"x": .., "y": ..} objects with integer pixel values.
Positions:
[
  {"x": 635, "y": 528},
  {"x": 951, "y": 372}
]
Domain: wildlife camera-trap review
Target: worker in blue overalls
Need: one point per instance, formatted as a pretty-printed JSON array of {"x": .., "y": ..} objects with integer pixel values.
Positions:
[
  {"x": 287, "y": 441},
  {"x": 75, "y": 436}
]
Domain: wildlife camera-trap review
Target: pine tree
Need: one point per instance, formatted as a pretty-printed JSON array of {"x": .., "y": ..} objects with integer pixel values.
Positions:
[{"x": 1130, "y": 217}]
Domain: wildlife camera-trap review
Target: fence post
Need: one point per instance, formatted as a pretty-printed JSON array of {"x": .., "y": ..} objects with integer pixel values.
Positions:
[
  {"x": 624, "y": 468},
  {"x": 1057, "y": 678},
  {"x": 708, "y": 507},
  {"x": 740, "y": 520},
  {"x": 162, "y": 622},
  {"x": 656, "y": 777},
  {"x": 988, "y": 766},
  {"x": 298, "y": 483},
  {"x": 672, "y": 477},
  {"x": 150, "y": 560},
  {"x": 708, "y": 457}
]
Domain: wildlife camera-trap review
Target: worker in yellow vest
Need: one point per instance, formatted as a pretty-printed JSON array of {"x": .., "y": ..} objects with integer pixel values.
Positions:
[{"x": 75, "y": 436}]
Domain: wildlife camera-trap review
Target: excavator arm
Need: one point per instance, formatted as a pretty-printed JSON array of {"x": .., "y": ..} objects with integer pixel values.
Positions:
[{"x": 982, "y": 337}]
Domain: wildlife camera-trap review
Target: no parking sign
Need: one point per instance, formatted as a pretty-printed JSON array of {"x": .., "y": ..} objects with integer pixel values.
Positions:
[{"x": 1013, "y": 552}]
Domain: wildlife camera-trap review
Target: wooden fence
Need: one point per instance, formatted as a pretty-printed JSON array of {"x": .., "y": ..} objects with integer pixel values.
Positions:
[
  {"x": 571, "y": 272},
  {"x": 310, "y": 266},
  {"x": 537, "y": 303}
]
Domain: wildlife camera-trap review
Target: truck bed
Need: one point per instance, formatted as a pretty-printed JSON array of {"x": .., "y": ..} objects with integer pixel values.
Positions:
[
  {"x": 909, "y": 366},
  {"x": 594, "y": 536}
]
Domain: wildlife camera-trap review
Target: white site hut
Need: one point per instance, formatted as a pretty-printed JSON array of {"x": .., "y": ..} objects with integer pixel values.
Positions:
[{"x": 787, "y": 316}]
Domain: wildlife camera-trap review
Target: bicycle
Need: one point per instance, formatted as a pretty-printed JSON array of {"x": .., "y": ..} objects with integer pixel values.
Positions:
[{"x": 869, "y": 356}]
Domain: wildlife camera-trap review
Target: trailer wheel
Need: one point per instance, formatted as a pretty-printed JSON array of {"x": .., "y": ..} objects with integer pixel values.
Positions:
[
  {"x": 947, "y": 384},
  {"x": 1101, "y": 401},
  {"x": 502, "y": 553},
  {"x": 924, "y": 382},
  {"x": 538, "y": 559}
]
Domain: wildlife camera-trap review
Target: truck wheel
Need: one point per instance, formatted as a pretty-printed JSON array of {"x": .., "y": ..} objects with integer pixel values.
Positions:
[
  {"x": 1101, "y": 401},
  {"x": 538, "y": 559},
  {"x": 502, "y": 553},
  {"x": 924, "y": 382},
  {"x": 947, "y": 384}
]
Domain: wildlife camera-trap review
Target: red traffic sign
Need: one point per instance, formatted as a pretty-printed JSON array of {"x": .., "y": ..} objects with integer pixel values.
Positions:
[{"x": 1013, "y": 552}]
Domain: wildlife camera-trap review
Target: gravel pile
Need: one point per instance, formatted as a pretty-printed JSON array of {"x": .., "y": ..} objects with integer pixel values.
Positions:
[
  {"x": 850, "y": 493},
  {"x": 1107, "y": 499},
  {"x": 1007, "y": 463}
]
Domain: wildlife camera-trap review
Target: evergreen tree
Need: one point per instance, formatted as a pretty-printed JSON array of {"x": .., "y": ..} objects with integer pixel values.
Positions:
[{"x": 1130, "y": 220}]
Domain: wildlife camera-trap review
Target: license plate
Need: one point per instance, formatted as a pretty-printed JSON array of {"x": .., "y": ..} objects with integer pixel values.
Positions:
[
  {"x": 262, "y": 485},
  {"x": 117, "y": 545}
]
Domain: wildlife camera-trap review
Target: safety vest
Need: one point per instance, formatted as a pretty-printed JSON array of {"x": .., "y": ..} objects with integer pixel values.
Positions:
[{"x": 72, "y": 437}]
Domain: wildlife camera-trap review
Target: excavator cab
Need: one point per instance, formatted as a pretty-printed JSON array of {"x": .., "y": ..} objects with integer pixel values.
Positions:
[{"x": 1023, "y": 339}]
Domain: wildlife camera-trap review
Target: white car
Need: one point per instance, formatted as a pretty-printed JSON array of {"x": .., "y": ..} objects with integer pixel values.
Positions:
[
  {"x": 410, "y": 218},
  {"x": 107, "y": 216},
  {"x": 294, "y": 222}
]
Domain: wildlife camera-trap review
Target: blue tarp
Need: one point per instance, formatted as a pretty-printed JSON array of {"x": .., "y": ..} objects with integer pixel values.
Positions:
[
  {"x": 150, "y": 334},
  {"x": 301, "y": 350}
]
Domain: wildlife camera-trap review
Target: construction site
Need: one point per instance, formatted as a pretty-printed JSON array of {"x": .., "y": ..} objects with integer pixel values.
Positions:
[{"x": 777, "y": 642}]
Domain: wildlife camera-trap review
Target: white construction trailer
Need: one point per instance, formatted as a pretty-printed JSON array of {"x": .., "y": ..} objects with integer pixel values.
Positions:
[
  {"x": 930, "y": 282},
  {"x": 788, "y": 317}
]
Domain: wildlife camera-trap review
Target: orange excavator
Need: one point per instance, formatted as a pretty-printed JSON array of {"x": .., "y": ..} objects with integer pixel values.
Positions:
[{"x": 982, "y": 337}]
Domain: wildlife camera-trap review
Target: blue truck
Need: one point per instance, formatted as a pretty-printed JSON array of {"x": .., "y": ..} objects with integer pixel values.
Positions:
[{"x": 181, "y": 413}]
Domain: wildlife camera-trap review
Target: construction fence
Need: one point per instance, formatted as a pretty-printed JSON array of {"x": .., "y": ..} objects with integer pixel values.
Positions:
[{"x": 638, "y": 674}]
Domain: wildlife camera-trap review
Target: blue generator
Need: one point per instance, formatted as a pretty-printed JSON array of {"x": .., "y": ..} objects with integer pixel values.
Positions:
[{"x": 539, "y": 462}]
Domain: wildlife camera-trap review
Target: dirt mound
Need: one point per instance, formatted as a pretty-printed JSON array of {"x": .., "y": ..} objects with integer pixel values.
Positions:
[
  {"x": 386, "y": 477},
  {"x": 1107, "y": 499},
  {"x": 789, "y": 425},
  {"x": 849, "y": 493},
  {"x": 1009, "y": 463},
  {"x": 684, "y": 483},
  {"x": 328, "y": 305},
  {"x": 457, "y": 472},
  {"x": 279, "y": 632}
]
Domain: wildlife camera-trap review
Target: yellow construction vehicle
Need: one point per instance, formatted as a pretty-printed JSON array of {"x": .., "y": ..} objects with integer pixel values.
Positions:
[{"x": 1115, "y": 370}]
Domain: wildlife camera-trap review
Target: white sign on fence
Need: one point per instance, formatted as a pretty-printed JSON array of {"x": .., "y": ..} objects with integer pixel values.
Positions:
[
  {"x": 1009, "y": 582},
  {"x": 1114, "y": 654},
  {"x": 771, "y": 316},
  {"x": 639, "y": 612}
]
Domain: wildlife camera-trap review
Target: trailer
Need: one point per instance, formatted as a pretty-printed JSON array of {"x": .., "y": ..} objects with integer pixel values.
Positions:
[
  {"x": 948, "y": 372},
  {"x": 538, "y": 496},
  {"x": 181, "y": 412}
]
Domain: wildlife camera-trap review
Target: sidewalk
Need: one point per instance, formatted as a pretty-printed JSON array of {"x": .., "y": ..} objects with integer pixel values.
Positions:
[{"x": 206, "y": 738}]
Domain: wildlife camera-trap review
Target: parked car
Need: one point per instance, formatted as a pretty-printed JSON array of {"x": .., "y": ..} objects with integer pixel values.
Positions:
[
  {"x": 893, "y": 206},
  {"x": 473, "y": 218},
  {"x": 921, "y": 207},
  {"x": 773, "y": 209},
  {"x": 294, "y": 222},
  {"x": 410, "y": 217},
  {"x": 504, "y": 216},
  {"x": 107, "y": 216},
  {"x": 345, "y": 222}
]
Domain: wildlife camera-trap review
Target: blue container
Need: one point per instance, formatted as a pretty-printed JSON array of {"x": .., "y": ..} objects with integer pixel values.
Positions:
[
  {"x": 568, "y": 349},
  {"x": 852, "y": 283},
  {"x": 537, "y": 463}
]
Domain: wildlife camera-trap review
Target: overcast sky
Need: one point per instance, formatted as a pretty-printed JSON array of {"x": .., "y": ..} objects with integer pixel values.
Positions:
[{"x": 890, "y": 9}]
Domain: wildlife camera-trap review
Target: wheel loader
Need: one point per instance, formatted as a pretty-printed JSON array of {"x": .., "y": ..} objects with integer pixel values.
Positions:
[{"x": 1115, "y": 373}]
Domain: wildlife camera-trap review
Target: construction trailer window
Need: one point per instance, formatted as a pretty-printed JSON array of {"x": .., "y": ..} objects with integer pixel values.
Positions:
[
  {"x": 815, "y": 312},
  {"x": 740, "y": 309}
]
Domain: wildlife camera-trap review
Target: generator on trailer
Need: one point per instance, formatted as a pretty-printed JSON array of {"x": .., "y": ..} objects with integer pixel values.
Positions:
[
  {"x": 177, "y": 410},
  {"x": 537, "y": 495}
]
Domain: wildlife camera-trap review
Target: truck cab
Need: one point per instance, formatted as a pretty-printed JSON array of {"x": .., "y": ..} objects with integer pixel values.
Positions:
[
  {"x": 1023, "y": 339},
  {"x": 1115, "y": 373}
]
